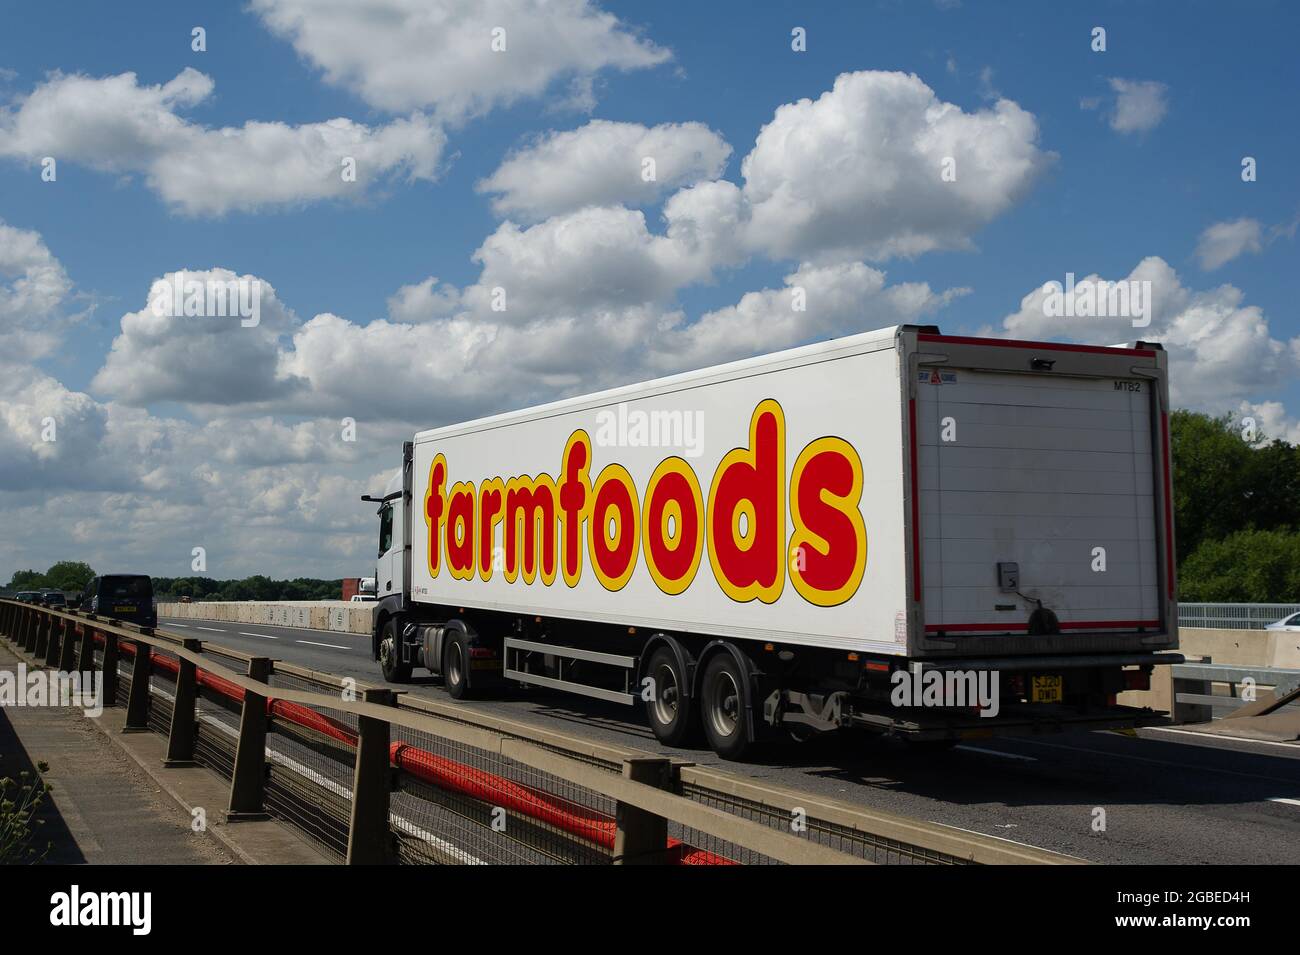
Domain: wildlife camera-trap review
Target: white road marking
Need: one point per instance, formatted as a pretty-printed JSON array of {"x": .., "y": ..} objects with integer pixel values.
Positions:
[
  {"x": 1294, "y": 747},
  {"x": 245, "y": 633},
  {"x": 1289, "y": 802},
  {"x": 183, "y": 626},
  {"x": 210, "y": 629},
  {"x": 332, "y": 646},
  {"x": 994, "y": 752}
]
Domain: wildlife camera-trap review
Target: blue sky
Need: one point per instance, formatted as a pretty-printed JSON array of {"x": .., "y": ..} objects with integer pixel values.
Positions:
[{"x": 1219, "y": 83}]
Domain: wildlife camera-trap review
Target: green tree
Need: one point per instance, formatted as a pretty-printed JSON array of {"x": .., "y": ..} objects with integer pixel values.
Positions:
[
  {"x": 27, "y": 580},
  {"x": 69, "y": 575},
  {"x": 1249, "y": 566},
  {"x": 1223, "y": 484}
]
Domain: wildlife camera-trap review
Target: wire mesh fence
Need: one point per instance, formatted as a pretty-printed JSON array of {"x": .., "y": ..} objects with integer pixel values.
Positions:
[
  {"x": 877, "y": 849},
  {"x": 123, "y": 682},
  {"x": 216, "y": 731},
  {"x": 162, "y": 692},
  {"x": 310, "y": 793},
  {"x": 1234, "y": 616},
  {"x": 457, "y": 803}
]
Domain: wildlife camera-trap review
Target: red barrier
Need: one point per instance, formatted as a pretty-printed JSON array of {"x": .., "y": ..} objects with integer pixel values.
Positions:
[
  {"x": 595, "y": 827},
  {"x": 488, "y": 787},
  {"x": 572, "y": 818}
]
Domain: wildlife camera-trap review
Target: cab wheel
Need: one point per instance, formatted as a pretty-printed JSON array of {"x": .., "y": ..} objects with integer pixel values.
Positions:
[{"x": 390, "y": 659}]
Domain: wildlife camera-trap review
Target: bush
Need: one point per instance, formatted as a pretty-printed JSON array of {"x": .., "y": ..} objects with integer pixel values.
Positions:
[
  {"x": 19, "y": 800},
  {"x": 1249, "y": 566}
]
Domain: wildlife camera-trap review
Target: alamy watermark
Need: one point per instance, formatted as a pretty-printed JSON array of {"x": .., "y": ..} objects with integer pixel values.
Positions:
[
  {"x": 946, "y": 688},
  {"x": 624, "y": 427},
  {"x": 23, "y": 687},
  {"x": 1089, "y": 298},
  {"x": 182, "y": 296},
  {"x": 133, "y": 910}
]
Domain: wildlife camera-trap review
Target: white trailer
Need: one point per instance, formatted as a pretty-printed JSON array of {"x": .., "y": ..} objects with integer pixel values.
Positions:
[{"x": 771, "y": 542}]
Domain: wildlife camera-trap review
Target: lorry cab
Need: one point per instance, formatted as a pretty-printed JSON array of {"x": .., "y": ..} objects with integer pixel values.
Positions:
[{"x": 392, "y": 527}]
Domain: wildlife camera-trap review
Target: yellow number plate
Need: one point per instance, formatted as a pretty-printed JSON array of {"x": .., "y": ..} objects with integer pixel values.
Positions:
[
  {"x": 1046, "y": 689},
  {"x": 123, "y": 610}
]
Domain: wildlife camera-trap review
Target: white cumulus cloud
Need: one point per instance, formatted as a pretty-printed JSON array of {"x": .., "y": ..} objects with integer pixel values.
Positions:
[
  {"x": 604, "y": 163},
  {"x": 34, "y": 289},
  {"x": 1221, "y": 350},
  {"x": 163, "y": 354},
  {"x": 1222, "y": 242},
  {"x": 400, "y": 55},
  {"x": 117, "y": 125},
  {"x": 876, "y": 167},
  {"x": 1140, "y": 105}
]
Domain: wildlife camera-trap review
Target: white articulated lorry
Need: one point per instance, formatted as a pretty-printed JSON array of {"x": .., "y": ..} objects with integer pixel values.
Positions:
[{"x": 783, "y": 541}]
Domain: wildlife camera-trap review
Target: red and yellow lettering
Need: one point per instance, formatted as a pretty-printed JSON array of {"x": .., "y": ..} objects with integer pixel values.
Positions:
[
  {"x": 530, "y": 528},
  {"x": 747, "y": 511},
  {"x": 613, "y": 527},
  {"x": 828, "y": 549},
  {"x": 435, "y": 505},
  {"x": 460, "y": 530},
  {"x": 491, "y": 498},
  {"x": 672, "y": 528},
  {"x": 742, "y": 528},
  {"x": 574, "y": 493}
]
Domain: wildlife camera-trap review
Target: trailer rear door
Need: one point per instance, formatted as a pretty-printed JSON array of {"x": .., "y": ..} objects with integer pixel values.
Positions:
[{"x": 1054, "y": 473}]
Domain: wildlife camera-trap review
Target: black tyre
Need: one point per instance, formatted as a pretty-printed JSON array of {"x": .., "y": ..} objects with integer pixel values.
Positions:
[
  {"x": 670, "y": 710},
  {"x": 455, "y": 665},
  {"x": 723, "y": 712},
  {"x": 390, "y": 658}
]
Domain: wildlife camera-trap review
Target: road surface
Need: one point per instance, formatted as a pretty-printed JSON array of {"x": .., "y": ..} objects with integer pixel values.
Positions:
[{"x": 1165, "y": 796}]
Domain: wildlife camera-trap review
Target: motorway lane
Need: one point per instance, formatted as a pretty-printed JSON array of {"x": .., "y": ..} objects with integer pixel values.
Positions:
[{"x": 1167, "y": 796}]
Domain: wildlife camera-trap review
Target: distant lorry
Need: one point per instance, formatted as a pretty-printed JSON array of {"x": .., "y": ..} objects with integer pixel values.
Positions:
[
  {"x": 779, "y": 543},
  {"x": 358, "y": 588}
]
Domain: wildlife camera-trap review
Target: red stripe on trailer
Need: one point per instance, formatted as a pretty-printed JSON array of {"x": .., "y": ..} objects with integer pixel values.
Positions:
[
  {"x": 1169, "y": 513},
  {"x": 1048, "y": 346},
  {"x": 916, "y": 507},
  {"x": 1065, "y": 625}
]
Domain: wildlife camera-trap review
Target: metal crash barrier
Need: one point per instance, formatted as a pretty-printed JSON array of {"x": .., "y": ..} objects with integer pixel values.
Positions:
[{"x": 374, "y": 776}]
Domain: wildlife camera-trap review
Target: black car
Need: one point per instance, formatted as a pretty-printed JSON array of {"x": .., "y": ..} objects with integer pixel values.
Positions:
[
  {"x": 126, "y": 597},
  {"x": 53, "y": 599}
]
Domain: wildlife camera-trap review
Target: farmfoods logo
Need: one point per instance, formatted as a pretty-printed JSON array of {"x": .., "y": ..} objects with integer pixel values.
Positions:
[{"x": 552, "y": 526}]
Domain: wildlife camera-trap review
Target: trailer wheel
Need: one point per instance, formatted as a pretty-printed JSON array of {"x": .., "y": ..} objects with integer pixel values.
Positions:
[
  {"x": 390, "y": 659},
  {"x": 723, "y": 712},
  {"x": 455, "y": 665},
  {"x": 671, "y": 712}
]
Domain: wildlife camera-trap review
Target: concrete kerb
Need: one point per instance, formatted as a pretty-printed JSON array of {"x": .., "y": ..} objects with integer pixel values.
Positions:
[{"x": 194, "y": 788}]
